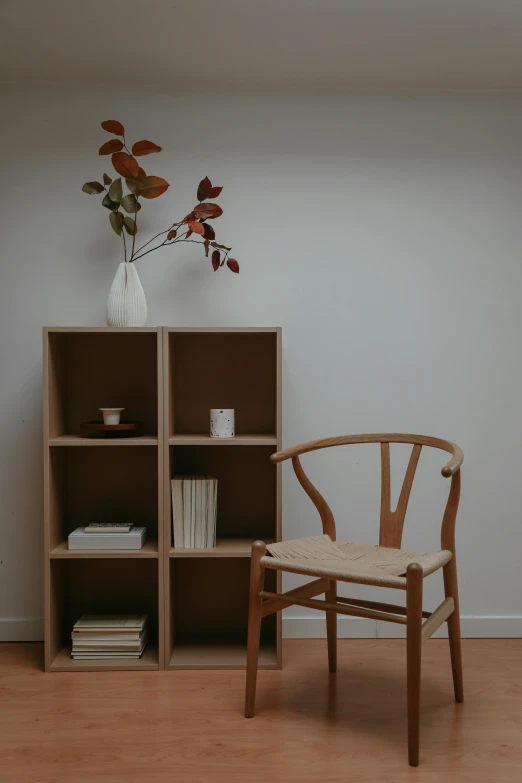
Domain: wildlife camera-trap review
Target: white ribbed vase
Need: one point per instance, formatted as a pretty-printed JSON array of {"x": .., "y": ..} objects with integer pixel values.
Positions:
[{"x": 126, "y": 305}]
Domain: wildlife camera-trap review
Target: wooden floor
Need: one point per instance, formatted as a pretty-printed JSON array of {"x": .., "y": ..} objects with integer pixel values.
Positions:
[{"x": 310, "y": 726}]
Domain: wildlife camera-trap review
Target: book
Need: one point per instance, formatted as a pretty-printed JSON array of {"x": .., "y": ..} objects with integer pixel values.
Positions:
[
  {"x": 110, "y": 622},
  {"x": 177, "y": 512},
  {"x": 194, "y": 511},
  {"x": 134, "y": 539},
  {"x": 109, "y": 636},
  {"x": 108, "y": 527}
]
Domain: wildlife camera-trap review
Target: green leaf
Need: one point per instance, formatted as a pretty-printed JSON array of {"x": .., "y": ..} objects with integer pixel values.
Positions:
[
  {"x": 107, "y": 179},
  {"x": 116, "y": 222},
  {"x": 130, "y": 225},
  {"x": 116, "y": 190},
  {"x": 133, "y": 186},
  {"x": 93, "y": 187},
  {"x": 110, "y": 204},
  {"x": 130, "y": 204}
]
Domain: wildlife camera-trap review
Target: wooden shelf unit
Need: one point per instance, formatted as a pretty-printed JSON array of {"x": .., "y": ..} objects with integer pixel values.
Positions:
[
  {"x": 206, "y": 591},
  {"x": 168, "y": 378},
  {"x": 85, "y": 369}
]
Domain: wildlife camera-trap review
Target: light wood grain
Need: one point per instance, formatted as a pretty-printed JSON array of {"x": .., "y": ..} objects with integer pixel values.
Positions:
[
  {"x": 436, "y": 618},
  {"x": 238, "y": 440},
  {"x": 225, "y": 547},
  {"x": 413, "y": 657},
  {"x": 127, "y": 727},
  {"x": 82, "y": 440},
  {"x": 62, "y": 551}
]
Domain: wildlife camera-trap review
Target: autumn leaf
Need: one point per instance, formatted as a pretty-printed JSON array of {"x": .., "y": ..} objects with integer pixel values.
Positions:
[
  {"x": 188, "y": 234},
  {"x": 125, "y": 164},
  {"x": 195, "y": 227},
  {"x": 114, "y": 145},
  {"x": 130, "y": 225},
  {"x": 152, "y": 187},
  {"x": 116, "y": 190},
  {"x": 223, "y": 247},
  {"x": 232, "y": 265},
  {"x": 216, "y": 258},
  {"x": 172, "y": 234},
  {"x": 107, "y": 179},
  {"x": 207, "y": 211},
  {"x": 214, "y": 193},
  {"x": 208, "y": 231},
  {"x": 206, "y": 244},
  {"x": 140, "y": 175},
  {"x": 204, "y": 188},
  {"x": 116, "y": 219},
  {"x": 113, "y": 126},
  {"x": 144, "y": 148},
  {"x": 93, "y": 187}
]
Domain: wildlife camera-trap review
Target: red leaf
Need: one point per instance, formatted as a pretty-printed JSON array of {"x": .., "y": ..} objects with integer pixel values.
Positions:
[
  {"x": 223, "y": 247},
  {"x": 208, "y": 231},
  {"x": 214, "y": 193},
  {"x": 206, "y": 211},
  {"x": 114, "y": 145},
  {"x": 232, "y": 265},
  {"x": 152, "y": 187},
  {"x": 113, "y": 126},
  {"x": 216, "y": 257},
  {"x": 144, "y": 148},
  {"x": 125, "y": 164},
  {"x": 189, "y": 233},
  {"x": 195, "y": 227},
  {"x": 204, "y": 189},
  {"x": 206, "y": 243},
  {"x": 172, "y": 234},
  {"x": 141, "y": 174}
]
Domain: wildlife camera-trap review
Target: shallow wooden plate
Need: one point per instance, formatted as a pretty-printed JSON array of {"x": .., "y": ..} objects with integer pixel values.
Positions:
[{"x": 99, "y": 429}]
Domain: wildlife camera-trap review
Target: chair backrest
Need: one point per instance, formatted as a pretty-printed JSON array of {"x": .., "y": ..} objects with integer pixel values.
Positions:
[{"x": 391, "y": 522}]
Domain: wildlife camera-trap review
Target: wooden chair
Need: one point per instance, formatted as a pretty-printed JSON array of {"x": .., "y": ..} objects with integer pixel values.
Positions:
[{"x": 386, "y": 565}]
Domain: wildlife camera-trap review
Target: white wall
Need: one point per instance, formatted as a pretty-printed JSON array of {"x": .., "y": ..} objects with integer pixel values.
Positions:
[{"x": 384, "y": 234}]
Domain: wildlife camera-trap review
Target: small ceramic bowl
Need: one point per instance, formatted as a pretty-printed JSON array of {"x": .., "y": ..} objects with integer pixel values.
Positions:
[{"x": 111, "y": 415}]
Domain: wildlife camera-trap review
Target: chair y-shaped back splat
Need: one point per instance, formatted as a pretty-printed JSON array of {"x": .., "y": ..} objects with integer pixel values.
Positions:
[{"x": 392, "y": 522}]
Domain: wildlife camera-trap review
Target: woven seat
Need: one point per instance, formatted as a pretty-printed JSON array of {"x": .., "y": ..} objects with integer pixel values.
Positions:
[{"x": 350, "y": 562}]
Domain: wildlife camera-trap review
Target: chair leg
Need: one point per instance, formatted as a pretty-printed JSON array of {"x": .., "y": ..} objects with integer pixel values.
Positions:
[
  {"x": 331, "y": 628},
  {"x": 257, "y": 576},
  {"x": 414, "y": 644},
  {"x": 451, "y": 590}
]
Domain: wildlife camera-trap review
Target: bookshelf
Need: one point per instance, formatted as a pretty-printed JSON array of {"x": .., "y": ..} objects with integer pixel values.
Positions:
[
  {"x": 206, "y": 591},
  {"x": 95, "y": 479},
  {"x": 167, "y": 378}
]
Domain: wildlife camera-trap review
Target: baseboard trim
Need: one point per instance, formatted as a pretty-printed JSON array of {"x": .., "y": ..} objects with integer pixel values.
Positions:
[
  {"x": 472, "y": 626},
  {"x": 21, "y": 630}
]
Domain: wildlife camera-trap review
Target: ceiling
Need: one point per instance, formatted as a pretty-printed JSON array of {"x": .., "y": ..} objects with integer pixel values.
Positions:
[{"x": 285, "y": 46}]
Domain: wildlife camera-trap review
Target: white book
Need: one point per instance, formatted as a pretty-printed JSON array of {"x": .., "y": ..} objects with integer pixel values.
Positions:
[
  {"x": 199, "y": 527},
  {"x": 177, "y": 512},
  {"x": 111, "y": 622},
  {"x": 187, "y": 503},
  {"x": 134, "y": 539},
  {"x": 105, "y": 656},
  {"x": 109, "y": 646},
  {"x": 99, "y": 636}
]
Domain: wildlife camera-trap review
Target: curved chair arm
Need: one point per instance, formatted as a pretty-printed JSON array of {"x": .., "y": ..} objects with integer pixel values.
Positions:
[{"x": 393, "y": 437}]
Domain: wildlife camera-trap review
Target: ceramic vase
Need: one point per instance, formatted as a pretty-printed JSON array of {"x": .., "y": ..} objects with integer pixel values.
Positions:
[{"x": 126, "y": 305}]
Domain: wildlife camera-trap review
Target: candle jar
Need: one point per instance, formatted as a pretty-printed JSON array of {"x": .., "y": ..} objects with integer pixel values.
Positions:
[{"x": 222, "y": 423}]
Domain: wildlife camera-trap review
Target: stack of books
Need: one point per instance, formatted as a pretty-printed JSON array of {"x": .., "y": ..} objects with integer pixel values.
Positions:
[
  {"x": 108, "y": 535},
  {"x": 194, "y": 511},
  {"x": 101, "y": 637}
]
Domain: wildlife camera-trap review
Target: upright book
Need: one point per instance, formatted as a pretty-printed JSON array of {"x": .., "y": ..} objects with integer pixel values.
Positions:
[{"x": 194, "y": 511}]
